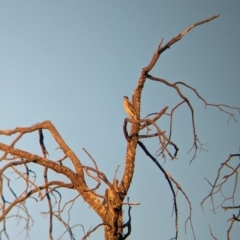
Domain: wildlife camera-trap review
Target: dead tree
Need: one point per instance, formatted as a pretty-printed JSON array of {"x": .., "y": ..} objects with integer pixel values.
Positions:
[{"x": 108, "y": 205}]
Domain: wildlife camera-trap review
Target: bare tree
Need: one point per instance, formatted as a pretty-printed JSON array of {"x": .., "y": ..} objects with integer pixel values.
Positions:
[{"x": 109, "y": 205}]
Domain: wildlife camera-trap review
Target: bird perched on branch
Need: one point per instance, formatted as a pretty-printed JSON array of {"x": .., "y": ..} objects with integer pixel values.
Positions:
[{"x": 128, "y": 107}]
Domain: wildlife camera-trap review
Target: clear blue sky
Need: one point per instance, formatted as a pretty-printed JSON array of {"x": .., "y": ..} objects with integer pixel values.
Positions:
[{"x": 71, "y": 62}]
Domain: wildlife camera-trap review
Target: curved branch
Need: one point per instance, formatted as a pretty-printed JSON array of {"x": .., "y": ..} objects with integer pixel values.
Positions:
[
  {"x": 36, "y": 159},
  {"x": 219, "y": 106},
  {"x": 168, "y": 180},
  {"x": 94, "y": 229},
  {"x": 128, "y": 224},
  {"x": 185, "y": 99},
  {"x": 49, "y": 126}
]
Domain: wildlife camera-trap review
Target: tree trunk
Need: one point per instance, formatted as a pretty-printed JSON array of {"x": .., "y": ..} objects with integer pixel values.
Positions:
[{"x": 113, "y": 220}]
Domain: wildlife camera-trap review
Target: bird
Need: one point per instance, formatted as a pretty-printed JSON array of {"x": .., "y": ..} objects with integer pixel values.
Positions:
[{"x": 128, "y": 107}]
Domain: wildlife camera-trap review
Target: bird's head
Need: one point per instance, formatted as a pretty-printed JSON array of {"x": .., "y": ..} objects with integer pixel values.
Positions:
[{"x": 125, "y": 97}]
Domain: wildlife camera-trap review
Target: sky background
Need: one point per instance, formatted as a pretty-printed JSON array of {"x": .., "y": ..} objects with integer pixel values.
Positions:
[{"x": 71, "y": 62}]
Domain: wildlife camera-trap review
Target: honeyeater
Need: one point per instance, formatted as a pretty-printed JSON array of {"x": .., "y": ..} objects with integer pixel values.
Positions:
[{"x": 128, "y": 107}]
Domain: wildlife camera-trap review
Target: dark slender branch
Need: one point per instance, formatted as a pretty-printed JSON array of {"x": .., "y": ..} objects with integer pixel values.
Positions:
[
  {"x": 49, "y": 204},
  {"x": 237, "y": 219},
  {"x": 41, "y": 138},
  {"x": 230, "y": 207},
  {"x": 168, "y": 180},
  {"x": 128, "y": 223}
]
